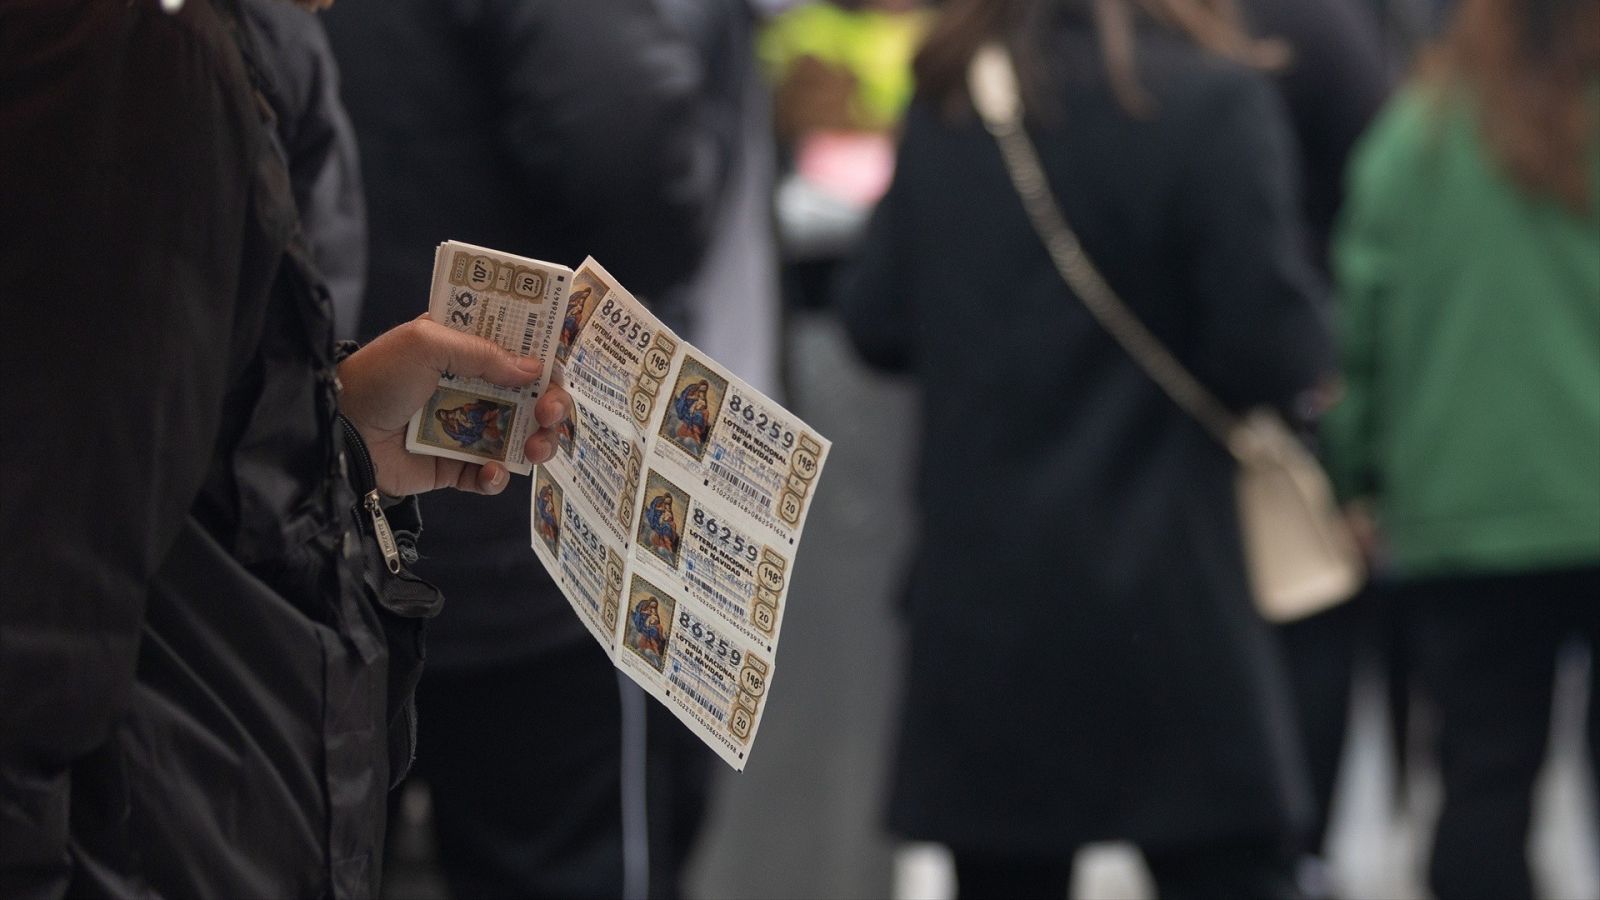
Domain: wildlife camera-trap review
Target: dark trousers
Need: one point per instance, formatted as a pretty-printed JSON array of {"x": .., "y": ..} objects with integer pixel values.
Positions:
[
  {"x": 526, "y": 767},
  {"x": 1322, "y": 654},
  {"x": 1486, "y": 650},
  {"x": 1238, "y": 870}
]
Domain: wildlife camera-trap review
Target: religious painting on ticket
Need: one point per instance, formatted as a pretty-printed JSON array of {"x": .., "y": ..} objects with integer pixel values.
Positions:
[
  {"x": 649, "y": 623},
  {"x": 692, "y": 409},
  {"x": 467, "y": 423},
  {"x": 585, "y": 295},
  {"x": 566, "y": 435},
  {"x": 546, "y": 509},
  {"x": 666, "y": 508}
]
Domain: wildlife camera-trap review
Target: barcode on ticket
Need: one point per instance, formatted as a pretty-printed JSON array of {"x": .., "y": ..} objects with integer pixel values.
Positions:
[
  {"x": 529, "y": 333},
  {"x": 762, "y": 498},
  {"x": 713, "y": 708}
]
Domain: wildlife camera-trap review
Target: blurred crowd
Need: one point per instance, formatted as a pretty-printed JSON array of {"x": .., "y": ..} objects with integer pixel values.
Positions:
[{"x": 1378, "y": 217}]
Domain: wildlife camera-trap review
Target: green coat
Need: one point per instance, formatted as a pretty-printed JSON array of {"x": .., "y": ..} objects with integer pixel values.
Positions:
[{"x": 1470, "y": 324}]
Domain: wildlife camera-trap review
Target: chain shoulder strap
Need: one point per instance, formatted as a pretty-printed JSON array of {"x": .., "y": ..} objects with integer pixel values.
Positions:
[{"x": 992, "y": 83}]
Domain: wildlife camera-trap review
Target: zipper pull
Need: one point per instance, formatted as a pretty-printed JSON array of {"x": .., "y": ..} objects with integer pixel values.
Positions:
[{"x": 380, "y": 528}]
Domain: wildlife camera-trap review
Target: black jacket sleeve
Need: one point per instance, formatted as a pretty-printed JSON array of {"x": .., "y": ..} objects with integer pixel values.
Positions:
[
  {"x": 121, "y": 165},
  {"x": 608, "y": 94},
  {"x": 1263, "y": 332},
  {"x": 320, "y": 143}
]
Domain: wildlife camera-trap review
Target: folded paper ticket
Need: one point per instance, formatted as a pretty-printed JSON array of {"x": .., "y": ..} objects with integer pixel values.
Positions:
[
  {"x": 516, "y": 303},
  {"x": 673, "y": 508}
]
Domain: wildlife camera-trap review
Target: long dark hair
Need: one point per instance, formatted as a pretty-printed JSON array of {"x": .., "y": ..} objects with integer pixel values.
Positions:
[
  {"x": 965, "y": 25},
  {"x": 1529, "y": 65}
]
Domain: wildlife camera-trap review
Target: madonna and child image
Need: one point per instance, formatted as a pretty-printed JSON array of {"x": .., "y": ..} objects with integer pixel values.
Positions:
[
  {"x": 666, "y": 507},
  {"x": 649, "y": 623},
  {"x": 546, "y": 509},
  {"x": 566, "y": 435},
  {"x": 587, "y": 290},
  {"x": 692, "y": 409},
  {"x": 467, "y": 423}
]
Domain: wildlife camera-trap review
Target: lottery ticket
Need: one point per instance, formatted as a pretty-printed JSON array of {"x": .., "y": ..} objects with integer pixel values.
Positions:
[
  {"x": 737, "y": 444},
  {"x": 515, "y": 302},
  {"x": 601, "y": 458},
  {"x": 616, "y": 353},
  {"x": 679, "y": 649},
  {"x": 713, "y": 681},
  {"x": 579, "y": 551},
  {"x": 672, "y": 510},
  {"x": 706, "y": 551}
]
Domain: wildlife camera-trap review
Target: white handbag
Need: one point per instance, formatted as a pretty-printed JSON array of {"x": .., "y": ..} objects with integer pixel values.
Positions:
[{"x": 1300, "y": 554}]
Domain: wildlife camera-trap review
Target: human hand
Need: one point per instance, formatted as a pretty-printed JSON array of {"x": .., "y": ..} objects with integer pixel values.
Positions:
[
  {"x": 1362, "y": 519},
  {"x": 391, "y": 378}
]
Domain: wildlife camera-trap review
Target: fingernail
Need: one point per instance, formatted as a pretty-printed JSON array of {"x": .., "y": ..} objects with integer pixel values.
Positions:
[
  {"x": 527, "y": 364},
  {"x": 499, "y": 477}
]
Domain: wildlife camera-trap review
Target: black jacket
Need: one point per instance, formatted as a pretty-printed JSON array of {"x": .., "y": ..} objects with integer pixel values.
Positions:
[
  {"x": 194, "y": 684},
  {"x": 548, "y": 128},
  {"x": 1084, "y": 659},
  {"x": 1334, "y": 84},
  {"x": 324, "y": 163}
]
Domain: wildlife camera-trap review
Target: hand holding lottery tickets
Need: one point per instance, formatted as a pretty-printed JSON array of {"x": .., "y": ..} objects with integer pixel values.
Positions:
[
  {"x": 388, "y": 380},
  {"x": 668, "y": 495}
]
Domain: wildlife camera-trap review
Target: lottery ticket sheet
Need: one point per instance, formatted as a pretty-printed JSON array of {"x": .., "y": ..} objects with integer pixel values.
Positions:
[
  {"x": 515, "y": 302},
  {"x": 672, "y": 510}
]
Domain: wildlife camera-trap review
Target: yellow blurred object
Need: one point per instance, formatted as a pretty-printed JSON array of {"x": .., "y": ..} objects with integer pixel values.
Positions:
[{"x": 841, "y": 69}]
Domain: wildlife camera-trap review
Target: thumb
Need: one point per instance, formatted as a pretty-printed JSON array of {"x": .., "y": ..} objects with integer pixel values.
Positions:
[{"x": 447, "y": 351}]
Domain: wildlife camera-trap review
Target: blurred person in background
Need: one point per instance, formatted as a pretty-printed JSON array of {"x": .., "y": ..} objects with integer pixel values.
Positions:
[
  {"x": 841, "y": 65},
  {"x": 555, "y": 130},
  {"x": 1468, "y": 265},
  {"x": 1333, "y": 85},
  {"x": 841, "y": 79},
  {"x": 1085, "y": 661},
  {"x": 732, "y": 302},
  {"x": 1408, "y": 25}
]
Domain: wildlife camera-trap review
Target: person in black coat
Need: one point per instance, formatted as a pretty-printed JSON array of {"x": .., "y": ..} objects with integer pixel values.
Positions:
[
  {"x": 1085, "y": 662},
  {"x": 204, "y": 681},
  {"x": 552, "y": 129},
  {"x": 320, "y": 145},
  {"x": 1335, "y": 82}
]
